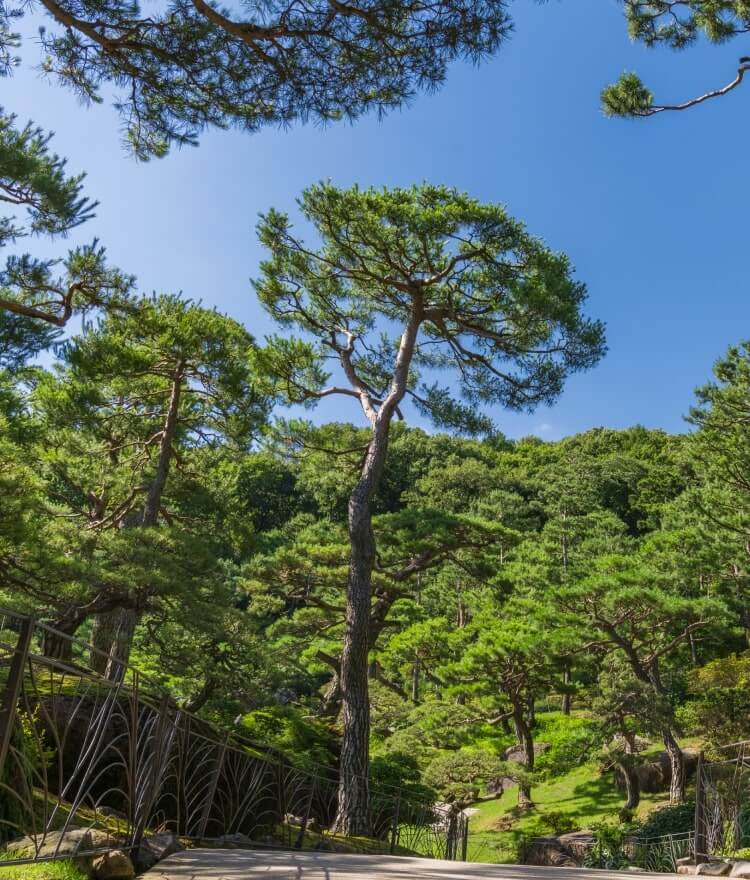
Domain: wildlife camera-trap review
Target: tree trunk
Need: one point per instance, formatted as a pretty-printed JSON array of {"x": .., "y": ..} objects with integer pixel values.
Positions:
[
  {"x": 353, "y": 816},
  {"x": 567, "y": 697},
  {"x": 677, "y": 766},
  {"x": 526, "y": 741},
  {"x": 531, "y": 711},
  {"x": 112, "y": 638},
  {"x": 330, "y": 705},
  {"x": 632, "y": 786},
  {"x": 113, "y": 632},
  {"x": 56, "y": 645}
]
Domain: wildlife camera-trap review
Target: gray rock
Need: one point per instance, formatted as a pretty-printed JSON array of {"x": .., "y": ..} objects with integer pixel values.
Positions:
[
  {"x": 516, "y": 754},
  {"x": 69, "y": 844},
  {"x": 155, "y": 848},
  {"x": 686, "y": 869},
  {"x": 163, "y": 845},
  {"x": 740, "y": 869},
  {"x": 714, "y": 869},
  {"x": 114, "y": 865}
]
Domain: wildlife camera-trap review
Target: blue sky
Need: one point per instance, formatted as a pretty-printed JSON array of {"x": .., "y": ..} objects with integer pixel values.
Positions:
[{"x": 653, "y": 213}]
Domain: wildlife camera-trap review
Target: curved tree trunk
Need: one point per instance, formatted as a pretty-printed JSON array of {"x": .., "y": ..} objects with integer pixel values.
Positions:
[
  {"x": 353, "y": 815},
  {"x": 632, "y": 785},
  {"x": 526, "y": 741},
  {"x": 55, "y": 645}
]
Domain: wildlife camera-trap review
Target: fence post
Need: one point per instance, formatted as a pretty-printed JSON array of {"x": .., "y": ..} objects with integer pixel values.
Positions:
[
  {"x": 145, "y": 804},
  {"x": 450, "y": 843},
  {"x": 300, "y": 842},
  {"x": 394, "y": 823},
  {"x": 464, "y": 838},
  {"x": 212, "y": 789},
  {"x": 700, "y": 842},
  {"x": 8, "y": 707}
]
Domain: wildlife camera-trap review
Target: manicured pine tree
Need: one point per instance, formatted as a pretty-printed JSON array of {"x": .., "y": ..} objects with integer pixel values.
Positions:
[{"x": 404, "y": 281}]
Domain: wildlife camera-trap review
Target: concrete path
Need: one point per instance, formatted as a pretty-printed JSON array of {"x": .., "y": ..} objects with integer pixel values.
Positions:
[{"x": 237, "y": 864}]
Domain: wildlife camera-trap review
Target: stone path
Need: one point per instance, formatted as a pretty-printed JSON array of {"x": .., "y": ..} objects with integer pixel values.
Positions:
[{"x": 237, "y": 864}]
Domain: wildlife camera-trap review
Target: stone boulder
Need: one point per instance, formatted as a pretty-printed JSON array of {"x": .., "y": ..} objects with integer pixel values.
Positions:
[
  {"x": 714, "y": 869},
  {"x": 549, "y": 852},
  {"x": 113, "y": 865},
  {"x": 65, "y": 844},
  {"x": 515, "y": 753},
  {"x": 155, "y": 848},
  {"x": 741, "y": 869}
]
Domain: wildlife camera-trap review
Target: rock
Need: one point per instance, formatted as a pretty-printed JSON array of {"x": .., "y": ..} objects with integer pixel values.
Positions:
[
  {"x": 548, "y": 851},
  {"x": 685, "y": 860},
  {"x": 686, "y": 869},
  {"x": 740, "y": 869},
  {"x": 714, "y": 869},
  {"x": 68, "y": 843},
  {"x": 155, "y": 848},
  {"x": 114, "y": 865},
  {"x": 515, "y": 753},
  {"x": 163, "y": 845}
]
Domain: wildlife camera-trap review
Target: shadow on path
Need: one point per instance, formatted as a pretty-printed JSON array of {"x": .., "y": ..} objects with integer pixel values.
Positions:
[{"x": 234, "y": 864}]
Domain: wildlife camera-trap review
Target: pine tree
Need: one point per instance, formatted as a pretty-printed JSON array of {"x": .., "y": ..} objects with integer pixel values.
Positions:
[{"x": 467, "y": 290}]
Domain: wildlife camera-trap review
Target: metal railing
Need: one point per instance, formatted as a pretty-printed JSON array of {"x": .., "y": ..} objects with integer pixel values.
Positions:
[
  {"x": 116, "y": 756},
  {"x": 722, "y": 814}
]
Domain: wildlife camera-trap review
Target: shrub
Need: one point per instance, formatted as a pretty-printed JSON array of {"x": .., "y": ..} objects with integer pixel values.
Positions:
[
  {"x": 608, "y": 850},
  {"x": 668, "y": 820}
]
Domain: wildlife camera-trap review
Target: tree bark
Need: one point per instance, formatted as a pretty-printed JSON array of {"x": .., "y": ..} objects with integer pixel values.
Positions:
[
  {"x": 526, "y": 741},
  {"x": 566, "y": 697},
  {"x": 632, "y": 785},
  {"x": 353, "y": 815},
  {"x": 677, "y": 766},
  {"x": 112, "y": 638}
]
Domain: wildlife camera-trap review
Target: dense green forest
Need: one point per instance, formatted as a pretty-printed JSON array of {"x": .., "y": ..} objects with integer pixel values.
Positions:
[{"x": 444, "y": 610}]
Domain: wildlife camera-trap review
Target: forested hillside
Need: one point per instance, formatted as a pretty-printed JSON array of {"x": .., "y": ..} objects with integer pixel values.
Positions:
[{"x": 538, "y": 608}]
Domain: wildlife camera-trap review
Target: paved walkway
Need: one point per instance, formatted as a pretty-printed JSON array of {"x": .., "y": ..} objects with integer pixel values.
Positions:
[{"x": 237, "y": 864}]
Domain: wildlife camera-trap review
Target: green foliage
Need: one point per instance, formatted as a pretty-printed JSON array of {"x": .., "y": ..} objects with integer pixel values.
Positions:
[
  {"x": 627, "y": 97},
  {"x": 670, "y": 819},
  {"x": 399, "y": 771},
  {"x": 571, "y": 741},
  {"x": 305, "y": 742},
  {"x": 473, "y": 268},
  {"x": 608, "y": 849},
  {"x": 55, "y": 870},
  {"x": 719, "y": 704},
  {"x": 462, "y": 776},
  {"x": 192, "y": 65},
  {"x": 46, "y": 201},
  {"x": 676, "y": 24}
]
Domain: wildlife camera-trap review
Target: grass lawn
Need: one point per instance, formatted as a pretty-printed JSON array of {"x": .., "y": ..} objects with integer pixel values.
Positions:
[
  {"x": 63, "y": 870},
  {"x": 568, "y": 803}
]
